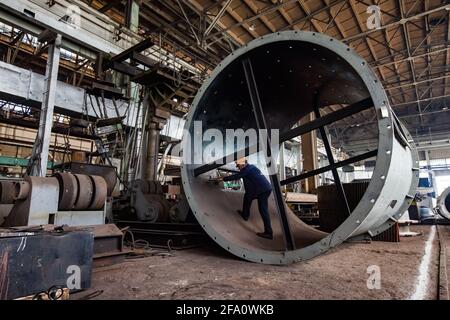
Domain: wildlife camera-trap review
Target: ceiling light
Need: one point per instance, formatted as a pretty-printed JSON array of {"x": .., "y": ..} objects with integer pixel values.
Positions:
[{"x": 252, "y": 27}]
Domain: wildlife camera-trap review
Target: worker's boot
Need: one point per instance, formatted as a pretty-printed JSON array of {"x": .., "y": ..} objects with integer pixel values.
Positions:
[
  {"x": 265, "y": 235},
  {"x": 242, "y": 215}
]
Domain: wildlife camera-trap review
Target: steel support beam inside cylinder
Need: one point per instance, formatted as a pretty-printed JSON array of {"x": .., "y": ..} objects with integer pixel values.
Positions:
[{"x": 295, "y": 72}]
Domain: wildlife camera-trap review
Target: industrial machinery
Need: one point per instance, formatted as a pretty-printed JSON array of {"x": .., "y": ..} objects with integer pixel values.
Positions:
[
  {"x": 64, "y": 199},
  {"x": 38, "y": 259},
  {"x": 443, "y": 204},
  {"x": 143, "y": 201},
  {"x": 272, "y": 83}
]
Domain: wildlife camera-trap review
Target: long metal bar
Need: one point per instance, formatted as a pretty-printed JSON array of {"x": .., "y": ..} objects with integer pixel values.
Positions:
[
  {"x": 329, "y": 152},
  {"x": 261, "y": 123},
  {"x": 418, "y": 82},
  {"x": 94, "y": 40},
  {"x": 268, "y": 10},
  {"x": 340, "y": 164},
  {"x": 298, "y": 131},
  {"x": 40, "y": 150},
  {"x": 431, "y": 31},
  {"x": 217, "y": 17}
]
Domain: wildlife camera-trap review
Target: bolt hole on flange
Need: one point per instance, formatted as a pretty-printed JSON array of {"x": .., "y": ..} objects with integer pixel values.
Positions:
[{"x": 326, "y": 111}]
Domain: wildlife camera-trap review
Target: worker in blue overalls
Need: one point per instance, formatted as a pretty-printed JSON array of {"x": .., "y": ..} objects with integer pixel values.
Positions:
[{"x": 256, "y": 187}]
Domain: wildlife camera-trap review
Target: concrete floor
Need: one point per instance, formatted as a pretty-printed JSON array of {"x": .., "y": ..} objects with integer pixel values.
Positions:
[{"x": 407, "y": 270}]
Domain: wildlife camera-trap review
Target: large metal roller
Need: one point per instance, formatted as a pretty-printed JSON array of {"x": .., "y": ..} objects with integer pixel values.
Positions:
[
  {"x": 68, "y": 190},
  {"x": 443, "y": 204},
  {"x": 290, "y": 75}
]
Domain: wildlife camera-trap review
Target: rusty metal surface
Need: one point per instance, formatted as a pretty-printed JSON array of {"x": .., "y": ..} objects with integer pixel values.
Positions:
[
  {"x": 68, "y": 190},
  {"x": 85, "y": 192},
  {"x": 390, "y": 235},
  {"x": 295, "y": 73},
  {"x": 7, "y": 192},
  {"x": 100, "y": 192},
  {"x": 107, "y": 172},
  {"x": 108, "y": 246}
]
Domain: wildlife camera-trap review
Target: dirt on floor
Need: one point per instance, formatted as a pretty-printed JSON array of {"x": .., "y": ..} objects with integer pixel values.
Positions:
[{"x": 212, "y": 273}]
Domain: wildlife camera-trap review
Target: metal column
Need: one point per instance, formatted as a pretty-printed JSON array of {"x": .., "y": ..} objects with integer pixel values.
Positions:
[
  {"x": 132, "y": 18},
  {"x": 41, "y": 146},
  {"x": 152, "y": 152}
]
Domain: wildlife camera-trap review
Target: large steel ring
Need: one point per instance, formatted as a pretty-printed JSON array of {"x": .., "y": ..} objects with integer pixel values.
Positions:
[{"x": 294, "y": 70}]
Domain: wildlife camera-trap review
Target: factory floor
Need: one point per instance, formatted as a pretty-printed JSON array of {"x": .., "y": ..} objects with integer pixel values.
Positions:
[{"x": 408, "y": 270}]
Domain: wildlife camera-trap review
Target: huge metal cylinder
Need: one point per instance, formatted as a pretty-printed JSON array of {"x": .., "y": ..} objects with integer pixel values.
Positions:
[
  {"x": 293, "y": 70},
  {"x": 443, "y": 204}
]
